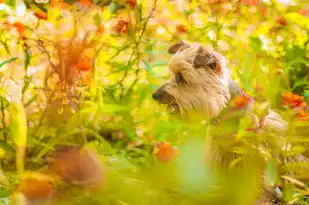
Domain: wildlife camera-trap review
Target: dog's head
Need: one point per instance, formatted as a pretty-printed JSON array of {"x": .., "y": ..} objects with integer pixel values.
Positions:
[{"x": 198, "y": 81}]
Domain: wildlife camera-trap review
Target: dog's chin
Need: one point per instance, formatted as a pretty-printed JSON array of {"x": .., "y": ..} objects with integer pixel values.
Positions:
[{"x": 173, "y": 109}]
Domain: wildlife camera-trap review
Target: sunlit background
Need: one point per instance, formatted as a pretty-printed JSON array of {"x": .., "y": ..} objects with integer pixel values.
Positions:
[{"x": 79, "y": 125}]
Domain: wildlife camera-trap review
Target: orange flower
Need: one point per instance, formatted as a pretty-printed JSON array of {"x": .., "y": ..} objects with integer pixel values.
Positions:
[
  {"x": 86, "y": 2},
  {"x": 122, "y": 26},
  {"x": 303, "y": 115},
  {"x": 250, "y": 2},
  {"x": 303, "y": 105},
  {"x": 83, "y": 64},
  {"x": 20, "y": 28},
  {"x": 41, "y": 15},
  {"x": 264, "y": 11},
  {"x": 36, "y": 186},
  {"x": 241, "y": 101},
  {"x": 101, "y": 30},
  {"x": 304, "y": 12},
  {"x": 59, "y": 3},
  {"x": 164, "y": 152},
  {"x": 56, "y": 1},
  {"x": 181, "y": 29}
]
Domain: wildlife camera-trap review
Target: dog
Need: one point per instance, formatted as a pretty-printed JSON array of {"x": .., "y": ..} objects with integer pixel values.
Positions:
[{"x": 200, "y": 83}]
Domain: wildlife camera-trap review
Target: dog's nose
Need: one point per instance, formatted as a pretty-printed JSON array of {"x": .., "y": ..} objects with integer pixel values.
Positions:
[{"x": 156, "y": 95}]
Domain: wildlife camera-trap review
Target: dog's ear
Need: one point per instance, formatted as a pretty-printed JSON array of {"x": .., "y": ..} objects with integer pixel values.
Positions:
[
  {"x": 178, "y": 47},
  {"x": 208, "y": 58}
]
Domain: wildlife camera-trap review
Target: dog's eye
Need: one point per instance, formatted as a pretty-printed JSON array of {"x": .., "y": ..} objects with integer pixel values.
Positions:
[
  {"x": 212, "y": 65},
  {"x": 179, "y": 78}
]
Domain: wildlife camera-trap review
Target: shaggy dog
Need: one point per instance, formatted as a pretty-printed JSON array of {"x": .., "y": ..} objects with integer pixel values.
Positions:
[{"x": 200, "y": 83}]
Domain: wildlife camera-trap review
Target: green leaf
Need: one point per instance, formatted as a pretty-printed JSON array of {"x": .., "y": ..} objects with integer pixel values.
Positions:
[
  {"x": 6, "y": 47},
  {"x": 4, "y": 102},
  {"x": 306, "y": 95},
  {"x": 19, "y": 124},
  {"x": 19, "y": 132},
  {"x": 112, "y": 7},
  {"x": 119, "y": 163},
  {"x": 7, "y": 147},
  {"x": 301, "y": 81},
  {"x": 245, "y": 83},
  {"x": 294, "y": 53},
  {"x": 97, "y": 20},
  {"x": 111, "y": 108},
  {"x": 28, "y": 55},
  {"x": 138, "y": 17},
  {"x": 271, "y": 173},
  {"x": 297, "y": 150},
  {"x": 7, "y": 61},
  {"x": 11, "y": 3},
  {"x": 255, "y": 43},
  {"x": 160, "y": 63},
  {"x": 149, "y": 69}
]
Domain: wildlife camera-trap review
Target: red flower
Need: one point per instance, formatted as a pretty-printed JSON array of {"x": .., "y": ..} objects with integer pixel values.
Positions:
[
  {"x": 131, "y": 3},
  {"x": 181, "y": 29},
  {"x": 293, "y": 100},
  {"x": 164, "y": 152}
]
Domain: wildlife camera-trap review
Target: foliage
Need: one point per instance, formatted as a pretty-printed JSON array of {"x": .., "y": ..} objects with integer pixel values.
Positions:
[{"x": 82, "y": 73}]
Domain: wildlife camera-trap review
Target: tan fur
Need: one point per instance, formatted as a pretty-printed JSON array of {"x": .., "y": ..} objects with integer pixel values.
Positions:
[
  {"x": 204, "y": 89},
  {"x": 200, "y": 83}
]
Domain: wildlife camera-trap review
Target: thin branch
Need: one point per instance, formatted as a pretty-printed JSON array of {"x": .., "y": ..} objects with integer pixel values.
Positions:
[
  {"x": 44, "y": 50},
  {"x": 3, "y": 121}
]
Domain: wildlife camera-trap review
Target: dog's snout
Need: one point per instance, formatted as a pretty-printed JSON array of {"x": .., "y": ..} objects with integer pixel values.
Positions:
[{"x": 156, "y": 95}]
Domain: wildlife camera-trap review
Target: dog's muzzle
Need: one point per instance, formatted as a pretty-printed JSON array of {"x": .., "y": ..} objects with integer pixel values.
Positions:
[{"x": 162, "y": 97}]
